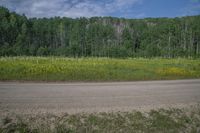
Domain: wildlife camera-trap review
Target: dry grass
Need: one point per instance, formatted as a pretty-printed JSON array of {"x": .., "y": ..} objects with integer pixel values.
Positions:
[{"x": 162, "y": 121}]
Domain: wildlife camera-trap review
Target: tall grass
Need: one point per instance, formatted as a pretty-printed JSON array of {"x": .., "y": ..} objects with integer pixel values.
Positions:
[{"x": 96, "y": 69}]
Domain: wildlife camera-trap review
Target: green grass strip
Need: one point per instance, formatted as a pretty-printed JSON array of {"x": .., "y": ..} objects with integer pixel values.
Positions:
[{"x": 96, "y": 69}]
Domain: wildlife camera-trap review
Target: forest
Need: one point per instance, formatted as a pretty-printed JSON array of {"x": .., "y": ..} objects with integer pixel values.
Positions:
[{"x": 99, "y": 36}]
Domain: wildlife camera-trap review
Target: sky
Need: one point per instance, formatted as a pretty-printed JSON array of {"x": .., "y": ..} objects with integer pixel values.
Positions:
[{"x": 114, "y": 8}]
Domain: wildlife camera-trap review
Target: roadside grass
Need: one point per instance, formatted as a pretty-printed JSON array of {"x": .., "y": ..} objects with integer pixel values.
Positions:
[
  {"x": 155, "y": 121},
  {"x": 96, "y": 69}
]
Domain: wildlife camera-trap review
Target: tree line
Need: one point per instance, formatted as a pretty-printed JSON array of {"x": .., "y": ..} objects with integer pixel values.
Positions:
[{"x": 99, "y": 36}]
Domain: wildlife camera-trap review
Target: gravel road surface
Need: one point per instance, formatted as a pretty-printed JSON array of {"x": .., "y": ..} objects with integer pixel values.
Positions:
[{"x": 96, "y": 97}]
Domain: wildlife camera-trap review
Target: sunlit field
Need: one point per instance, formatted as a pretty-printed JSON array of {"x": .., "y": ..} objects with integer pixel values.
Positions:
[{"x": 96, "y": 69}]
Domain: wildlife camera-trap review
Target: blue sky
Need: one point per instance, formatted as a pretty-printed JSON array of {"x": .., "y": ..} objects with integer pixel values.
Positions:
[{"x": 115, "y": 8}]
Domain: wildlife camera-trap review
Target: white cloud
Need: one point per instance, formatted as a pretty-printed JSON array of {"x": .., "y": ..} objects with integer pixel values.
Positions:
[
  {"x": 68, "y": 8},
  {"x": 121, "y": 3}
]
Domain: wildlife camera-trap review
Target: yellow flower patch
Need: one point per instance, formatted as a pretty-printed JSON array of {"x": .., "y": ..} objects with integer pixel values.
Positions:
[{"x": 173, "y": 71}]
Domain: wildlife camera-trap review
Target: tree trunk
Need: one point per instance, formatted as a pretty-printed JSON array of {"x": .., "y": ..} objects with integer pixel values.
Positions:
[{"x": 169, "y": 47}]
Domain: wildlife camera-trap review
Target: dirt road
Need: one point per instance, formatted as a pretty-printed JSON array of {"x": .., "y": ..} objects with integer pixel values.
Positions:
[{"x": 95, "y": 97}]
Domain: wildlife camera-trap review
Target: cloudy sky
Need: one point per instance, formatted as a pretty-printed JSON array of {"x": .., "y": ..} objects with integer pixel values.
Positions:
[{"x": 115, "y": 8}]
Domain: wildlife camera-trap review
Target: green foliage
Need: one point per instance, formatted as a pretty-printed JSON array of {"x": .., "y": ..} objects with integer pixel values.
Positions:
[
  {"x": 42, "y": 51},
  {"x": 99, "y": 36},
  {"x": 96, "y": 69}
]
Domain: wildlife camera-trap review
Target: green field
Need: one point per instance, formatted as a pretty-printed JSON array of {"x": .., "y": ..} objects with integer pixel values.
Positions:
[
  {"x": 172, "y": 120},
  {"x": 96, "y": 69}
]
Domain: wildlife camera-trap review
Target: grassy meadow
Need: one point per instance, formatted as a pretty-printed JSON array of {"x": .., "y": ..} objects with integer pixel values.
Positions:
[{"x": 96, "y": 69}]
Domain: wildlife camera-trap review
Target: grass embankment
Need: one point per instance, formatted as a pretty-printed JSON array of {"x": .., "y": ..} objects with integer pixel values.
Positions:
[
  {"x": 156, "y": 121},
  {"x": 96, "y": 69}
]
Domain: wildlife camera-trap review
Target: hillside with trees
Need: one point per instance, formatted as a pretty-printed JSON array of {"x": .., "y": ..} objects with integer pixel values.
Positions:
[{"x": 99, "y": 36}]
